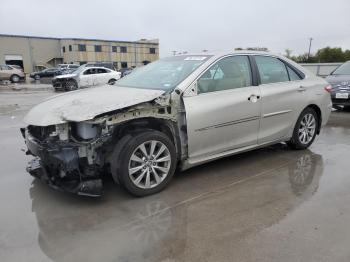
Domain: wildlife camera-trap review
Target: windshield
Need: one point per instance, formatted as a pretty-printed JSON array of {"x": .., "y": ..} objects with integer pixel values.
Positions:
[
  {"x": 78, "y": 70},
  {"x": 344, "y": 69},
  {"x": 164, "y": 74}
]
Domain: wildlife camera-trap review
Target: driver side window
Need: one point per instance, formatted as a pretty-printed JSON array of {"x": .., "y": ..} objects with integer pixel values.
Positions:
[
  {"x": 228, "y": 73},
  {"x": 90, "y": 71}
]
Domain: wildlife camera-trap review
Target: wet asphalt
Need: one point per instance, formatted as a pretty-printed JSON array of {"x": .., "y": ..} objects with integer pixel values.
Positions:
[{"x": 272, "y": 204}]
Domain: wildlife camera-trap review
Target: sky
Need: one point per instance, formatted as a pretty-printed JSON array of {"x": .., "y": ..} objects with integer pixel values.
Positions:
[{"x": 187, "y": 25}]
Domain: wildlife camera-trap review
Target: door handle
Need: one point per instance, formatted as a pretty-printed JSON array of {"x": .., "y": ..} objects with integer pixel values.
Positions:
[
  {"x": 301, "y": 89},
  {"x": 253, "y": 98}
]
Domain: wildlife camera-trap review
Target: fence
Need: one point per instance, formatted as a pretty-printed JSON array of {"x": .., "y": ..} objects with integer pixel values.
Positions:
[{"x": 321, "y": 69}]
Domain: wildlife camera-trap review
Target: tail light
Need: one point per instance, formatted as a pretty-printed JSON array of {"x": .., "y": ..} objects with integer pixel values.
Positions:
[{"x": 328, "y": 88}]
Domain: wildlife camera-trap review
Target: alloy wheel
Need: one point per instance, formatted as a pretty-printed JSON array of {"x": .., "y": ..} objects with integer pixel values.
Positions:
[
  {"x": 307, "y": 129},
  {"x": 71, "y": 86},
  {"x": 15, "y": 79},
  {"x": 149, "y": 164}
]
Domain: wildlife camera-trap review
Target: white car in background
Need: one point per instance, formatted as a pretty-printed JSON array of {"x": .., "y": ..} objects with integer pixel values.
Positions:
[{"x": 85, "y": 77}]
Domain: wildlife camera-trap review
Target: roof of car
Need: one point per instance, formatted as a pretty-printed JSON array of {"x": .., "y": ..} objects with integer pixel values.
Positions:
[
  {"x": 223, "y": 53},
  {"x": 97, "y": 67}
]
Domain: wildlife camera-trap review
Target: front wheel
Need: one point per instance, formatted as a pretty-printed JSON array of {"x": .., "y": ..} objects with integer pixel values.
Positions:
[
  {"x": 146, "y": 163},
  {"x": 14, "y": 78},
  {"x": 305, "y": 129},
  {"x": 112, "y": 81},
  {"x": 71, "y": 85}
]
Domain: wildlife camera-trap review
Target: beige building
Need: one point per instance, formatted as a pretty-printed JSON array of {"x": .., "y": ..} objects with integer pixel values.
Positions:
[{"x": 35, "y": 52}]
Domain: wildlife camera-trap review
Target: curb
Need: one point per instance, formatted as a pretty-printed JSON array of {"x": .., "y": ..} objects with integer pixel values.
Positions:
[{"x": 25, "y": 88}]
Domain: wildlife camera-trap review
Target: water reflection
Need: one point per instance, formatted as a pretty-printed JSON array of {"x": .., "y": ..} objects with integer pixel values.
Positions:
[{"x": 164, "y": 227}]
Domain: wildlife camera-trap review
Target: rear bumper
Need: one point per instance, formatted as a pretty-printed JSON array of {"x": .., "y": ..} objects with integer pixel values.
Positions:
[
  {"x": 338, "y": 101},
  {"x": 341, "y": 102},
  {"x": 60, "y": 167}
]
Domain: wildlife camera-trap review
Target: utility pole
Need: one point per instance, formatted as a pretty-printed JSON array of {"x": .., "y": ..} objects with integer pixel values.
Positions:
[{"x": 308, "y": 54}]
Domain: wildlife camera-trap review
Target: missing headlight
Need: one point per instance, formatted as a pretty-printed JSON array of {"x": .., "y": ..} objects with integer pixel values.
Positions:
[{"x": 84, "y": 131}]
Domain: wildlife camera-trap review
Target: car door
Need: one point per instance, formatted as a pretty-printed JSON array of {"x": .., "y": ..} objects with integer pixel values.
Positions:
[
  {"x": 50, "y": 72},
  {"x": 44, "y": 73},
  {"x": 283, "y": 97},
  {"x": 2, "y": 73},
  {"x": 225, "y": 112},
  {"x": 101, "y": 77},
  {"x": 5, "y": 72},
  {"x": 86, "y": 77}
]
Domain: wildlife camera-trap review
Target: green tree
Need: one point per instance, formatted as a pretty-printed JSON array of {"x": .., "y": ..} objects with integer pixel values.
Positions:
[
  {"x": 323, "y": 55},
  {"x": 328, "y": 55},
  {"x": 288, "y": 53}
]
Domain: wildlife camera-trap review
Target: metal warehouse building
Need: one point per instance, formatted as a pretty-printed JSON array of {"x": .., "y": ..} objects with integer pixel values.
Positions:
[{"x": 32, "y": 52}]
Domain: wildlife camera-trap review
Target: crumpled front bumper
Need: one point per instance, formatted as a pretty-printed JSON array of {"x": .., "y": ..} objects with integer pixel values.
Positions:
[{"x": 59, "y": 166}]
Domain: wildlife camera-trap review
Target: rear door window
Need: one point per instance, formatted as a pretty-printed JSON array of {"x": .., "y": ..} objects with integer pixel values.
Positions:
[
  {"x": 101, "y": 71},
  {"x": 90, "y": 71},
  {"x": 292, "y": 75},
  {"x": 271, "y": 70}
]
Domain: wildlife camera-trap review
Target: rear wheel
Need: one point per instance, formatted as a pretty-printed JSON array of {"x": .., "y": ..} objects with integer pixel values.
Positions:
[
  {"x": 146, "y": 163},
  {"x": 305, "y": 130},
  {"x": 14, "y": 78},
  {"x": 112, "y": 81},
  {"x": 36, "y": 77}
]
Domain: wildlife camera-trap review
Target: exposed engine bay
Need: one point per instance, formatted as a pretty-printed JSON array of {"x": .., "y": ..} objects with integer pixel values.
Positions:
[{"x": 73, "y": 156}]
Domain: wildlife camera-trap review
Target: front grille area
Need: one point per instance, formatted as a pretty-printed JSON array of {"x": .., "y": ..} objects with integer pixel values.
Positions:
[
  {"x": 57, "y": 83},
  {"x": 41, "y": 132}
]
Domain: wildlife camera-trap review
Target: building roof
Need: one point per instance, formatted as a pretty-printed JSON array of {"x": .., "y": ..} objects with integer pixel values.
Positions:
[{"x": 152, "y": 41}]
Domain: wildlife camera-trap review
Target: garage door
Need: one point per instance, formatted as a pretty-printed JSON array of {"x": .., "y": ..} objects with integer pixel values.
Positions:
[
  {"x": 14, "y": 60},
  {"x": 13, "y": 57}
]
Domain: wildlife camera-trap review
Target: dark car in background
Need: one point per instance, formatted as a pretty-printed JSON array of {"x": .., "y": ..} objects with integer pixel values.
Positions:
[
  {"x": 49, "y": 72},
  {"x": 68, "y": 66},
  {"x": 125, "y": 71},
  {"x": 108, "y": 65},
  {"x": 340, "y": 82}
]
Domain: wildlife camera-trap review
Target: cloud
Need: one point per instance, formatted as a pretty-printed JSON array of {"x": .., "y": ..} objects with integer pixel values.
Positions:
[{"x": 186, "y": 25}]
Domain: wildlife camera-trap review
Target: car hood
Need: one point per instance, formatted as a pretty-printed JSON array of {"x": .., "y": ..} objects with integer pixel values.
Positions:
[{"x": 85, "y": 104}]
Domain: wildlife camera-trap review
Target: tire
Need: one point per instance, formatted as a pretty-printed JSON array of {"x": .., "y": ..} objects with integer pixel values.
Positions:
[
  {"x": 347, "y": 108},
  {"x": 135, "y": 170},
  {"x": 305, "y": 130},
  {"x": 112, "y": 81},
  {"x": 14, "y": 78},
  {"x": 37, "y": 77},
  {"x": 71, "y": 85}
]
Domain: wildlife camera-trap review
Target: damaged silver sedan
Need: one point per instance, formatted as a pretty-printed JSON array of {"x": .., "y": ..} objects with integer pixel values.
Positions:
[{"x": 177, "y": 112}]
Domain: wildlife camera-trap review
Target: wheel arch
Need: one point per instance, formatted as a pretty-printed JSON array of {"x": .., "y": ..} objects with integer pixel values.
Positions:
[
  {"x": 124, "y": 131},
  {"x": 319, "y": 115},
  {"x": 135, "y": 126},
  {"x": 14, "y": 75}
]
